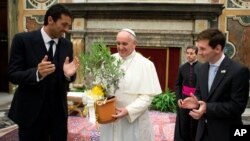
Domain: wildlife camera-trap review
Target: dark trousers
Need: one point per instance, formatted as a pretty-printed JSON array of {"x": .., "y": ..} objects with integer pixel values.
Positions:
[
  {"x": 49, "y": 126},
  {"x": 186, "y": 126}
]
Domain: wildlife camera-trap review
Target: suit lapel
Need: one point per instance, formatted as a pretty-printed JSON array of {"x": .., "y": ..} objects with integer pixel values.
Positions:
[
  {"x": 204, "y": 76},
  {"x": 60, "y": 54},
  {"x": 39, "y": 46},
  {"x": 219, "y": 75}
]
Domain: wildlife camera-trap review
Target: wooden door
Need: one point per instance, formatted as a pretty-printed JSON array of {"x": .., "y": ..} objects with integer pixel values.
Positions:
[{"x": 166, "y": 61}]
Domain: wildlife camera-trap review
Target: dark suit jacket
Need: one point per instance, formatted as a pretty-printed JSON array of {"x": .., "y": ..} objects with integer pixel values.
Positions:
[
  {"x": 226, "y": 101},
  {"x": 27, "y": 51}
]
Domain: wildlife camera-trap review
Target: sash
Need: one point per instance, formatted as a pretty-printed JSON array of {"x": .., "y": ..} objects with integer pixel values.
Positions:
[{"x": 186, "y": 90}]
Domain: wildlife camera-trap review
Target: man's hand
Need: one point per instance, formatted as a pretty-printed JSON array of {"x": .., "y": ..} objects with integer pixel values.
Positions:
[
  {"x": 179, "y": 102},
  {"x": 197, "y": 114},
  {"x": 70, "y": 68},
  {"x": 190, "y": 103},
  {"x": 120, "y": 113},
  {"x": 45, "y": 67}
]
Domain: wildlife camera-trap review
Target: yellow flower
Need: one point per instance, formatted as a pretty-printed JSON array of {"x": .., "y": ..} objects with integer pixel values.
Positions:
[{"x": 97, "y": 90}]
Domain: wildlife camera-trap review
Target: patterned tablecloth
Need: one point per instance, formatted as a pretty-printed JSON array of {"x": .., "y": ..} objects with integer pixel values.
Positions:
[
  {"x": 163, "y": 123},
  {"x": 79, "y": 129}
]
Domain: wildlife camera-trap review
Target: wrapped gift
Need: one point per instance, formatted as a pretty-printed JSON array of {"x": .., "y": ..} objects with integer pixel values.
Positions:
[
  {"x": 98, "y": 110},
  {"x": 105, "y": 109}
]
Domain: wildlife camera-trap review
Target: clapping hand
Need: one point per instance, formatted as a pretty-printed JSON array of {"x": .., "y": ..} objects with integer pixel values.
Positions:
[
  {"x": 197, "y": 108},
  {"x": 190, "y": 102},
  {"x": 197, "y": 113},
  {"x": 70, "y": 68},
  {"x": 45, "y": 67}
]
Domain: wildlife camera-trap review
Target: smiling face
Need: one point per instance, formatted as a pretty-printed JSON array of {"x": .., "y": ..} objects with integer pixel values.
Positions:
[
  {"x": 207, "y": 53},
  {"x": 210, "y": 43},
  {"x": 56, "y": 29},
  {"x": 125, "y": 43}
]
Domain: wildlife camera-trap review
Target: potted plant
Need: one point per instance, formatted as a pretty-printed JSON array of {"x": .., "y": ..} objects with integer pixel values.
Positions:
[
  {"x": 102, "y": 73},
  {"x": 165, "y": 102}
]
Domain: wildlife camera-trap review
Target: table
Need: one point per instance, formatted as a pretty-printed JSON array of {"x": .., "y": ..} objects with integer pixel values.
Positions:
[
  {"x": 79, "y": 129},
  {"x": 82, "y": 130}
]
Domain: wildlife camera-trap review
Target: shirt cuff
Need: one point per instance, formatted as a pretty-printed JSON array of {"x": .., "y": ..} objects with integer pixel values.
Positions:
[
  {"x": 67, "y": 77},
  {"x": 37, "y": 77}
]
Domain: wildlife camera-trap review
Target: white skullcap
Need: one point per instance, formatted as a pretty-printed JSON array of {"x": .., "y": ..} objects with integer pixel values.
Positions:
[{"x": 129, "y": 31}]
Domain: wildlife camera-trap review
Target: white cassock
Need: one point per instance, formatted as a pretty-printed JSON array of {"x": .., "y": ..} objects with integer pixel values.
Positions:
[{"x": 136, "y": 91}]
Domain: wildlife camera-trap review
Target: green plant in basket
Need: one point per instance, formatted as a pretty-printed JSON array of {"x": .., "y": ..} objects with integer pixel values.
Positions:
[
  {"x": 165, "y": 102},
  {"x": 101, "y": 70}
]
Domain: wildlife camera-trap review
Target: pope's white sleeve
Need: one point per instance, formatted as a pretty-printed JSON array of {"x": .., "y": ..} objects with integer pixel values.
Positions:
[{"x": 139, "y": 106}]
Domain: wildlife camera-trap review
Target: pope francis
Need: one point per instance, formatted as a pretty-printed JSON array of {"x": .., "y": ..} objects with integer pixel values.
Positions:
[{"x": 136, "y": 91}]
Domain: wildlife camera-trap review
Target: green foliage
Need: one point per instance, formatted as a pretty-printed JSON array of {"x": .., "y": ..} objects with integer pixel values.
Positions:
[
  {"x": 78, "y": 89},
  {"x": 165, "y": 102},
  {"x": 101, "y": 68}
]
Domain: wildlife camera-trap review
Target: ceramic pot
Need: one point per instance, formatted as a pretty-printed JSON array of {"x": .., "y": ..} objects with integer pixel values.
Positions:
[{"x": 105, "y": 110}]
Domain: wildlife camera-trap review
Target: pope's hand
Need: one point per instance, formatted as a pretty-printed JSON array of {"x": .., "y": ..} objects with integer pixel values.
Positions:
[
  {"x": 120, "y": 113},
  {"x": 70, "y": 68}
]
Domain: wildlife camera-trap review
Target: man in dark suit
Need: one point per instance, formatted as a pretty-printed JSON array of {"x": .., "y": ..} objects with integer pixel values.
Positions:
[
  {"x": 185, "y": 127},
  {"x": 218, "y": 102},
  {"x": 42, "y": 65}
]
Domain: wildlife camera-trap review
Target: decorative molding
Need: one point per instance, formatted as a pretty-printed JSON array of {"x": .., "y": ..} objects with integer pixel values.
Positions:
[
  {"x": 238, "y": 34},
  {"x": 243, "y": 20},
  {"x": 183, "y": 11},
  {"x": 145, "y": 39},
  {"x": 230, "y": 49},
  {"x": 176, "y": 25},
  {"x": 201, "y": 25},
  {"x": 33, "y": 22},
  {"x": 39, "y": 4},
  {"x": 238, "y": 4},
  {"x": 171, "y": 13},
  {"x": 78, "y": 24}
]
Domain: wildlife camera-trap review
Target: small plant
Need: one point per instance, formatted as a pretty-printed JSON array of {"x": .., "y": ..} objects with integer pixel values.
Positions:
[
  {"x": 165, "y": 102},
  {"x": 101, "y": 71}
]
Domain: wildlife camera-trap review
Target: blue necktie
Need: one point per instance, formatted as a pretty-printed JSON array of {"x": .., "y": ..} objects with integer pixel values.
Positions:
[{"x": 212, "y": 72}]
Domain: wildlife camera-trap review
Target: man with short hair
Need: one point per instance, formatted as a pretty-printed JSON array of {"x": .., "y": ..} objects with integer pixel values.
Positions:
[
  {"x": 222, "y": 89},
  {"x": 41, "y": 64}
]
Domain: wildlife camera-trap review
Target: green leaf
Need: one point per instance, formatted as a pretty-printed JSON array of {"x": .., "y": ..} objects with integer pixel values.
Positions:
[
  {"x": 100, "y": 67},
  {"x": 165, "y": 102}
]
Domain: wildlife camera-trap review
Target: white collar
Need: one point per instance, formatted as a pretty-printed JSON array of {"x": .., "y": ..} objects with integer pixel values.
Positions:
[
  {"x": 219, "y": 61},
  {"x": 46, "y": 37},
  {"x": 191, "y": 63},
  {"x": 130, "y": 56}
]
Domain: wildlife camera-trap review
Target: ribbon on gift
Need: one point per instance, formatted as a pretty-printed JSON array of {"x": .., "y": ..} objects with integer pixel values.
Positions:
[
  {"x": 90, "y": 104},
  {"x": 87, "y": 100}
]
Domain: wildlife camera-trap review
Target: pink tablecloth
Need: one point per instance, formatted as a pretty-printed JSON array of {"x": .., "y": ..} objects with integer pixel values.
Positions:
[
  {"x": 81, "y": 130},
  {"x": 163, "y": 124}
]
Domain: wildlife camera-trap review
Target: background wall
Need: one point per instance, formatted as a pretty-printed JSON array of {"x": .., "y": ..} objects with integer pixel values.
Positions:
[{"x": 234, "y": 21}]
